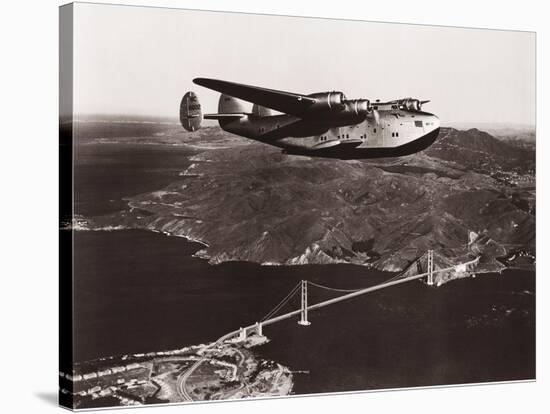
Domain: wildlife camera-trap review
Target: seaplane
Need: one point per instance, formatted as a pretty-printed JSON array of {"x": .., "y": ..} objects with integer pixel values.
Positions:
[{"x": 321, "y": 124}]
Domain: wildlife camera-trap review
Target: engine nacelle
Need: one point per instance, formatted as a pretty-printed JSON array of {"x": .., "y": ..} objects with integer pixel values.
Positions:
[
  {"x": 411, "y": 104},
  {"x": 359, "y": 107},
  {"x": 328, "y": 101}
]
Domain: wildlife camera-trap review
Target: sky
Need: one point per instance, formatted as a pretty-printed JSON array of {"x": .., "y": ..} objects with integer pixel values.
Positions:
[{"x": 140, "y": 61}]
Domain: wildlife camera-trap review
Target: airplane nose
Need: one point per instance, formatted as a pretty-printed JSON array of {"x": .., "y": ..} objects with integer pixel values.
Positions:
[{"x": 435, "y": 122}]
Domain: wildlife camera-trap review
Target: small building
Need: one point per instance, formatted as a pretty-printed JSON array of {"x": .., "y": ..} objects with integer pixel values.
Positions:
[
  {"x": 105, "y": 392},
  {"x": 94, "y": 390}
]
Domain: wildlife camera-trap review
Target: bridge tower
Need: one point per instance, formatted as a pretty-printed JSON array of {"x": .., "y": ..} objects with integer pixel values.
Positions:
[
  {"x": 303, "y": 314},
  {"x": 242, "y": 334},
  {"x": 430, "y": 267},
  {"x": 259, "y": 329}
]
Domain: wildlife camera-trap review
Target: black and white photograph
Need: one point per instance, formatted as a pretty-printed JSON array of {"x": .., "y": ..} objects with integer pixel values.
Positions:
[{"x": 258, "y": 206}]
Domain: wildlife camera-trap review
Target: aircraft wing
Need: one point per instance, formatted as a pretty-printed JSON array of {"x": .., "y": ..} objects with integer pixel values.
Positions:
[{"x": 287, "y": 102}]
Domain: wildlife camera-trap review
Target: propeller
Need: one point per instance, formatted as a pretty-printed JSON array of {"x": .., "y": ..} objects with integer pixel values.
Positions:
[{"x": 374, "y": 114}]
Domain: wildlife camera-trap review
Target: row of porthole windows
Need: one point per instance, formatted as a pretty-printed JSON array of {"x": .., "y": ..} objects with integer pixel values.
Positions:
[
  {"x": 324, "y": 138},
  {"x": 395, "y": 134},
  {"x": 343, "y": 136}
]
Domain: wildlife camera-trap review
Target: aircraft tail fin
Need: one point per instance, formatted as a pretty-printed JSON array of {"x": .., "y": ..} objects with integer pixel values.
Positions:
[{"x": 190, "y": 112}]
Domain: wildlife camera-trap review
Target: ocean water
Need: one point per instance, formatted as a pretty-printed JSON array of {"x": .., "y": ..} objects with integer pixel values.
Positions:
[
  {"x": 138, "y": 291},
  {"x": 106, "y": 173}
]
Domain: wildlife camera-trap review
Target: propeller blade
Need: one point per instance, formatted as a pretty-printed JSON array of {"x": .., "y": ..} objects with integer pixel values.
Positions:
[{"x": 376, "y": 116}]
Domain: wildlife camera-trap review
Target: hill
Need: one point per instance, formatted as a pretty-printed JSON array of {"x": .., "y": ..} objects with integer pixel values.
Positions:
[{"x": 466, "y": 195}]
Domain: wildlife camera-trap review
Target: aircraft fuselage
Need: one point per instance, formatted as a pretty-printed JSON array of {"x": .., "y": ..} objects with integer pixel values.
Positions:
[{"x": 394, "y": 133}]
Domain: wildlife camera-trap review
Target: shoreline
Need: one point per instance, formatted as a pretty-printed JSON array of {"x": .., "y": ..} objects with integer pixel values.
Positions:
[
  {"x": 290, "y": 263},
  {"x": 155, "y": 377}
]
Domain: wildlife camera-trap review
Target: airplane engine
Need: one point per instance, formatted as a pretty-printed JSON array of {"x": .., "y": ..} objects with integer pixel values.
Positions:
[
  {"x": 328, "y": 101},
  {"x": 360, "y": 107},
  {"x": 411, "y": 104}
]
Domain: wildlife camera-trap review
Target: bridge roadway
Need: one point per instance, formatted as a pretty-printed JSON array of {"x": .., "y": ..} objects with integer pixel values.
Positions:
[{"x": 183, "y": 378}]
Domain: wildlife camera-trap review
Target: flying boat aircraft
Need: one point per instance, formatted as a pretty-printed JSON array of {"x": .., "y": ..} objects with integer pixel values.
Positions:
[{"x": 323, "y": 124}]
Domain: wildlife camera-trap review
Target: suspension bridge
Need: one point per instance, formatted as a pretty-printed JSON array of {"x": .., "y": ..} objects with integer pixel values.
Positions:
[{"x": 270, "y": 318}]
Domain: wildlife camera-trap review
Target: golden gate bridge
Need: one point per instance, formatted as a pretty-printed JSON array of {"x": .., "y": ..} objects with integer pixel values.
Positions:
[{"x": 270, "y": 318}]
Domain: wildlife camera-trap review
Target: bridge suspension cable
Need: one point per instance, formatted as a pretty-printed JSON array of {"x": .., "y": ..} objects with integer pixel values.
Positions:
[
  {"x": 334, "y": 289},
  {"x": 281, "y": 303},
  {"x": 285, "y": 300},
  {"x": 353, "y": 290},
  {"x": 398, "y": 276}
]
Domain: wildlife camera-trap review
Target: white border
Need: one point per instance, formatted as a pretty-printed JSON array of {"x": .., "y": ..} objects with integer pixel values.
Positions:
[{"x": 29, "y": 205}]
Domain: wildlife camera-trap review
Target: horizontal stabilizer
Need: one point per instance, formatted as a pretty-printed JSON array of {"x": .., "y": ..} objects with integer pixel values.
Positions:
[{"x": 225, "y": 116}]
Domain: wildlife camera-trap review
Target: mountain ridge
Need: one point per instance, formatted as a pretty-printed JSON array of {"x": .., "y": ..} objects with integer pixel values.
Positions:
[{"x": 249, "y": 202}]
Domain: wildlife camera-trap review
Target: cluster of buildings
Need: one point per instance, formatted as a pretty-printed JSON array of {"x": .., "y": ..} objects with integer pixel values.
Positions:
[
  {"x": 514, "y": 178},
  {"x": 94, "y": 375},
  {"x": 88, "y": 384}
]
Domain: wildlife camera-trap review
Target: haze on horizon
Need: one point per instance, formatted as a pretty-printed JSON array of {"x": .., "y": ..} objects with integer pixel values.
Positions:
[{"x": 141, "y": 60}]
